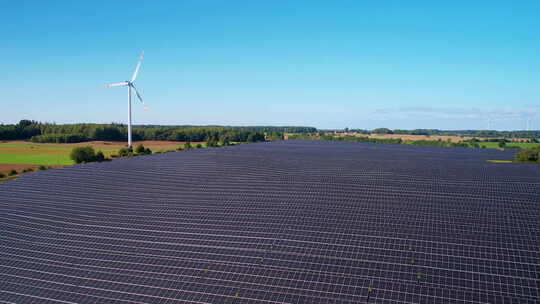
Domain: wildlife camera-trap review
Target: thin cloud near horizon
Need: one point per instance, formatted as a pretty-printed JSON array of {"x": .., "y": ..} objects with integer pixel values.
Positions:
[{"x": 456, "y": 113}]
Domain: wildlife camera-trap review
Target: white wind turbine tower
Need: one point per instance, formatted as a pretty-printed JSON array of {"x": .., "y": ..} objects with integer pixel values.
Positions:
[
  {"x": 129, "y": 84},
  {"x": 529, "y": 117}
]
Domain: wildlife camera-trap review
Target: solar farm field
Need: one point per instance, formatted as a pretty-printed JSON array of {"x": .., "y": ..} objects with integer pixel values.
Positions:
[{"x": 280, "y": 222}]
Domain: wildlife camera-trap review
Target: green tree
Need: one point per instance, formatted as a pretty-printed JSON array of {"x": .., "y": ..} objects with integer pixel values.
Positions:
[
  {"x": 25, "y": 123},
  {"x": 140, "y": 149},
  {"x": 83, "y": 154},
  {"x": 383, "y": 131}
]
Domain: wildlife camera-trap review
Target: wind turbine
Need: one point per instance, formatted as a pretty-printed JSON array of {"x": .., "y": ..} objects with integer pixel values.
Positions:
[{"x": 129, "y": 84}]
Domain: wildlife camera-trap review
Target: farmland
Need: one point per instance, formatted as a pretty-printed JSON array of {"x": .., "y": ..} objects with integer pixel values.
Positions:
[
  {"x": 19, "y": 155},
  {"x": 522, "y": 145},
  {"x": 422, "y": 140},
  {"x": 455, "y": 139},
  {"x": 281, "y": 222},
  {"x": 514, "y": 142}
]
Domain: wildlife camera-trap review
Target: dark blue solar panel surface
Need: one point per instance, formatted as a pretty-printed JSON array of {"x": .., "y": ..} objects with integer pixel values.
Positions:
[{"x": 282, "y": 222}]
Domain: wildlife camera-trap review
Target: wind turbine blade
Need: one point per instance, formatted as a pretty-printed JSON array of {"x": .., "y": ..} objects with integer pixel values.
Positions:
[
  {"x": 118, "y": 84},
  {"x": 136, "y": 72},
  {"x": 139, "y": 96},
  {"x": 137, "y": 93}
]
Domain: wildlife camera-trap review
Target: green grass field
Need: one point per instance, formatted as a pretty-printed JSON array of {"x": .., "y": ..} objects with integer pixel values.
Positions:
[
  {"x": 36, "y": 159},
  {"x": 20, "y": 155},
  {"x": 494, "y": 145},
  {"x": 32, "y": 154}
]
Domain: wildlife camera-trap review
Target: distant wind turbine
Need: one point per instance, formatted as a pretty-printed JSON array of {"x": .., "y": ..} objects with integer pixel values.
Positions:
[{"x": 129, "y": 84}]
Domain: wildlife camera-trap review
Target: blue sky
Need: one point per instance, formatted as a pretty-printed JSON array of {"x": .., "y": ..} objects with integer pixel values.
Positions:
[{"x": 328, "y": 64}]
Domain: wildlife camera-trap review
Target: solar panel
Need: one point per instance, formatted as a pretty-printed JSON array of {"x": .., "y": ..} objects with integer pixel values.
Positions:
[{"x": 281, "y": 222}]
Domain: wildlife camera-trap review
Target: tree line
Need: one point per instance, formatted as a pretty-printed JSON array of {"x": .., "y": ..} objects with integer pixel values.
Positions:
[{"x": 73, "y": 133}]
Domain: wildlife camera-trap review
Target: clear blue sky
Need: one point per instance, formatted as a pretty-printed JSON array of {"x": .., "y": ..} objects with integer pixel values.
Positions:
[{"x": 328, "y": 64}]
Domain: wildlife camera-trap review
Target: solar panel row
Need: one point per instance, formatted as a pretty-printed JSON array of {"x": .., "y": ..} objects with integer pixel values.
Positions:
[{"x": 283, "y": 222}]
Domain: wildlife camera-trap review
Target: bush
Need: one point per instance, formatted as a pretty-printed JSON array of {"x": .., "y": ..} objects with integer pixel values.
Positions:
[
  {"x": 27, "y": 170},
  {"x": 99, "y": 156},
  {"x": 123, "y": 152},
  {"x": 42, "y": 167},
  {"x": 198, "y": 146},
  {"x": 139, "y": 149},
  {"x": 225, "y": 142},
  {"x": 83, "y": 154},
  {"x": 13, "y": 172},
  {"x": 527, "y": 156},
  {"x": 2, "y": 175},
  {"x": 187, "y": 146},
  {"x": 211, "y": 143}
]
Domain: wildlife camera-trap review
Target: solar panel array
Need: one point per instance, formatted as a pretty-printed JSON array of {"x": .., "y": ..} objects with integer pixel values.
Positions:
[{"x": 282, "y": 222}]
